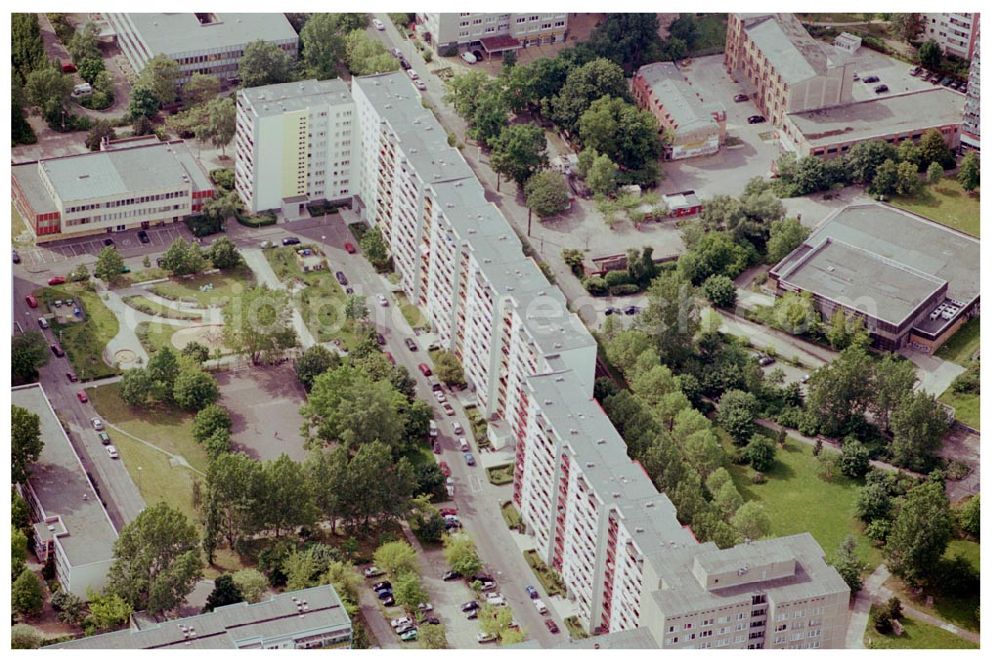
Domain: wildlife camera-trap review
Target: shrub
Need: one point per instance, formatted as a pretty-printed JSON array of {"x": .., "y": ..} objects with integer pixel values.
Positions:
[
  {"x": 881, "y": 618},
  {"x": 595, "y": 285},
  {"x": 615, "y": 278},
  {"x": 201, "y": 225},
  {"x": 624, "y": 289},
  {"x": 720, "y": 291},
  {"x": 450, "y": 51}
]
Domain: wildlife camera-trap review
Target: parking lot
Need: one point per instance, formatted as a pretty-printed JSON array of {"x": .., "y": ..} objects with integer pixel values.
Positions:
[
  {"x": 891, "y": 72},
  {"x": 85, "y": 250}
]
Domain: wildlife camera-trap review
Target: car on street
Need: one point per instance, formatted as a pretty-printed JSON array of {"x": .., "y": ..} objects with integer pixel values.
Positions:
[
  {"x": 451, "y": 575},
  {"x": 143, "y": 237},
  {"x": 290, "y": 240},
  {"x": 57, "y": 350},
  {"x": 72, "y": 376},
  {"x": 396, "y": 53},
  {"x": 378, "y": 24},
  {"x": 410, "y": 635},
  {"x": 410, "y": 344},
  {"x": 383, "y": 301},
  {"x": 97, "y": 424},
  {"x": 881, "y": 88},
  {"x": 412, "y": 74},
  {"x": 350, "y": 248},
  {"x": 552, "y": 626},
  {"x": 540, "y": 606},
  {"x": 483, "y": 637},
  {"x": 432, "y": 429},
  {"x": 384, "y": 585},
  {"x": 43, "y": 322},
  {"x": 389, "y": 601},
  {"x": 112, "y": 452},
  {"x": 372, "y": 572},
  {"x": 448, "y": 409},
  {"x": 15, "y": 256},
  {"x": 463, "y": 444},
  {"x": 756, "y": 120},
  {"x": 469, "y": 460},
  {"x": 871, "y": 79},
  {"x": 31, "y": 301},
  {"x": 437, "y": 447},
  {"x": 532, "y": 592},
  {"x": 469, "y": 57},
  {"x": 425, "y": 369},
  {"x": 741, "y": 98},
  {"x": 81, "y": 396},
  {"x": 341, "y": 278},
  {"x": 404, "y": 63},
  {"x": 443, "y": 466},
  {"x": 632, "y": 310},
  {"x": 456, "y": 427},
  {"x": 420, "y": 85},
  {"x": 470, "y": 606},
  {"x": 425, "y": 607},
  {"x": 380, "y": 339},
  {"x": 265, "y": 244},
  {"x": 104, "y": 437},
  {"x": 57, "y": 279}
]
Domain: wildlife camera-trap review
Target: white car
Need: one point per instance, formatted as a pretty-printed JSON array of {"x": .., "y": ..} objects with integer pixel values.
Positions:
[
  {"x": 412, "y": 74},
  {"x": 419, "y": 84},
  {"x": 495, "y": 599},
  {"x": 265, "y": 244},
  {"x": 425, "y": 607},
  {"x": 400, "y": 621},
  {"x": 440, "y": 396},
  {"x": 485, "y": 638},
  {"x": 489, "y": 585},
  {"x": 433, "y": 429},
  {"x": 456, "y": 427},
  {"x": 396, "y": 53},
  {"x": 540, "y": 606},
  {"x": 98, "y": 425},
  {"x": 383, "y": 301},
  {"x": 112, "y": 452},
  {"x": 372, "y": 572},
  {"x": 378, "y": 24},
  {"x": 469, "y": 57},
  {"x": 463, "y": 444}
]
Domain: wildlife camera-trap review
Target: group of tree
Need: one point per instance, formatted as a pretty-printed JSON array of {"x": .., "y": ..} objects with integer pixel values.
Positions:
[
  {"x": 374, "y": 247},
  {"x": 257, "y": 324},
  {"x": 365, "y": 55},
  {"x": 84, "y": 49},
  {"x": 29, "y": 351},
  {"x": 169, "y": 378},
  {"x": 207, "y": 118},
  {"x": 325, "y": 38}
]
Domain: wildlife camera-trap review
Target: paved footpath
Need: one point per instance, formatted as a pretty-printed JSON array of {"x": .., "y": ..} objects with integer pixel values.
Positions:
[{"x": 265, "y": 274}]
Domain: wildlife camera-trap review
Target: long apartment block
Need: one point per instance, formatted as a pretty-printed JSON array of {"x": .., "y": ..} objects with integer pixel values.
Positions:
[
  {"x": 592, "y": 512},
  {"x": 494, "y": 32}
]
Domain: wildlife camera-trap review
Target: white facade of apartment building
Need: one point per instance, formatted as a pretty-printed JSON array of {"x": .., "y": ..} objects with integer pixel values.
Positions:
[
  {"x": 970, "y": 113},
  {"x": 294, "y": 145},
  {"x": 956, "y": 32},
  {"x": 458, "y": 29}
]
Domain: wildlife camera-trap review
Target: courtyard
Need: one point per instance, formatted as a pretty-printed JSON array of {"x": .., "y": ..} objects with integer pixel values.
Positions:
[{"x": 264, "y": 404}]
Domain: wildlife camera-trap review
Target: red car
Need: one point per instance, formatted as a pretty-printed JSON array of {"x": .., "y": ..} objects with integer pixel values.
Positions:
[
  {"x": 31, "y": 301},
  {"x": 553, "y": 627},
  {"x": 425, "y": 369},
  {"x": 350, "y": 248},
  {"x": 444, "y": 468},
  {"x": 389, "y": 356},
  {"x": 449, "y": 511},
  {"x": 58, "y": 279},
  {"x": 82, "y": 396}
]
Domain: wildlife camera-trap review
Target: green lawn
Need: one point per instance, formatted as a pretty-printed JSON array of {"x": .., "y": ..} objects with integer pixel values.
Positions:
[
  {"x": 84, "y": 342},
  {"x": 17, "y": 227},
  {"x": 966, "y": 406},
  {"x": 798, "y": 500},
  {"x": 500, "y": 475},
  {"x": 916, "y": 636},
  {"x": 155, "y": 336},
  {"x": 414, "y": 317},
  {"x": 155, "y": 477},
  {"x": 224, "y": 285},
  {"x": 166, "y": 427},
  {"x": 711, "y": 33},
  {"x": 961, "y": 347},
  {"x": 946, "y": 203},
  {"x": 421, "y": 456},
  {"x": 143, "y": 304},
  {"x": 967, "y": 549},
  {"x": 145, "y": 274}
]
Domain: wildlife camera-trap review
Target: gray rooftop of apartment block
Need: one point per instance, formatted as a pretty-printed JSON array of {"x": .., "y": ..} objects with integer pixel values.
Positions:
[
  {"x": 678, "y": 97},
  {"x": 902, "y": 114},
  {"x": 61, "y": 485},
  {"x": 284, "y": 97},
  {"x": 787, "y": 45},
  {"x": 182, "y": 33},
  {"x": 288, "y": 614}
]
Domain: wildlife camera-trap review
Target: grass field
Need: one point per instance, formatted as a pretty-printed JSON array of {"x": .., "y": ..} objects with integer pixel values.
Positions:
[
  {"x": 711, "y": 33},
  {"x": 17, "y": 227},
  {"x": 84, "y": 342},
  {"x": 155, "y": 336},
  {"x": 946, "y": 203},
  {"x": 798, "y": 500},
  {"x": 224, "y": 286},
  {"x": 414, "y": 317},
  {"x": 967, "y": 549},
  {"x": 166, "y": 427},
  {"x": 156, "y": 478},
  {"x": 143, "y": 304},
  {"x": 961, "y": 347},
  {"x": 916, "y": 636},
  {"x": 966, "y": 406}
]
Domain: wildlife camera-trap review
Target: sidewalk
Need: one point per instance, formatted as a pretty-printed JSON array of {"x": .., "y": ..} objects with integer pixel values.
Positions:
[{"x": 258, "y": 263}]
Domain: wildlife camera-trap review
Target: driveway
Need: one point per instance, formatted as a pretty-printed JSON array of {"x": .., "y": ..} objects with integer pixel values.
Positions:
[{"x": 934, "y": 374}]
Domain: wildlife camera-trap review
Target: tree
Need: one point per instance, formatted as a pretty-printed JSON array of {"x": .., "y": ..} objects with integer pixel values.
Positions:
[
  {"x": 840, "y": 391},
  {"x": 257, "y": 324},
  {"x": 346, "y": 581},
  {"x": 908, "y": 27},
  {"x": 142, "y": 102},
  {"x": 195, "y": 389},
  {"x": 884, "y": 182},
  {"x": 602, "y": 176},
  {"x": 28, "y": 352},
  {"x": 461, "y": 554},
  {"x": 934, "y": 148},
  {"x": 224, "y": 593},
  {"x": 347, "y": 406},
  {"x": 930, "y": 54},
  {"x": 156, "y": 560},
  {"x": 25, "y": 636},
  {"x": 222, "y": 121},
  {"x": 374, "y": 248},
  {"x": 449, "y": 369},
  {"x": 323, "y": 49},
  {"x": 135, "y": 387},
  {"x": 865, "y": 157},
  {"x": 303, "y": 568},
  {"x": 518, "y": 152},
  {"x": 160, "y": 76},
  {"x": 200, "y": 88},
  {"x": 70, "y": 608},
  {"x": 968, "y": 172},
  {"x": 968, "y": 517},
  {"x": 546, "y": 193},
  {"x": 760, "y": 453},
  {"x": 100, "y": 130},
  {"x": 432, "y": 637},
  {"x": 183, "y": 258},
  {"x": 786, "y": 235},
  {"x": 18, "y": 552},
  {"x": 622, "y": 131},
  {"x": 223, "y": 254},
  {"x": 855, "y": 459},
  {"x": 27, "y": 49},
  {"x": 209, "y": 420},
  {"x": 396, "y": 558},
  {"x": 26, "y": 594},
  {"x": 827, "y": 462},
  {"x": 907, "y": 179},
  {"x": 848, "y": 564},
  {"x": 285, "y": 504},
  {"x": 409, "y": 592},
  {"x": 221, "y": 207},
  {"x": 251, "y": 584},
  {"x": 720, "y": 291},
  {"x": 715, "y": 253},
  {"x": 891, "y": 385},
  {"x": 49, "y": 90},
  {"x": 235, "y": 487},
  {"x": 366, "y": 56},
  {"x": 583, "y": 86},
  {"x": 920, "y": 534},
  {"x": 751, "y": 521},
  {"x": 918, "y": 425},
  {"x": 671, "y": 317},
  {"x": 25, "y": 442},
  {"x": 934, "y": 173},
  {"x": 110, "y": 265},
  {"x": 262, "y": 64},
  {"x": 313, "y": 362},
  {"x": 107, "y": 611},
  {"x": 737, "y": 413}
]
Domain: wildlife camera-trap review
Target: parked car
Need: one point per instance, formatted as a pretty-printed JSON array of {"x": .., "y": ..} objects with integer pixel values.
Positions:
[
  {"x": 963, "y": 88},
  {"x": 72, "y": 376},
  {"x": 432, "y": 429},
  {"x": 632, "y": 310},
  {"x": 380, "y": 339},
  {"x": 765, "y": 361},
  {"x": 58, "y": 279},
  {"x": 81, "y": 396},
  {"x": 532, "y": 592},
  {"x": 425, "y": 369},
  {"x": 290, "y": 240},
  {"x": 412, "y": 74},
  {"x": 871, "y": 79},
  {"x": 756, "y": 120},
  {"x": 350, "y": 248},
  {"x": 456, "y": 427},
  {"x": 741, "y": 98},
  {"x": 405, "y": 627},
  {"x": 112, "y": 452},
  {"x": 385, "y": 592},
  {"x": 553, "y": 627},
  {"x": 469, "y": 58},
  {"x": 612, "y": 311},
  {"x": 31, "y": 301},
  {"x": 404, "y": 63},
  {"x": 400, "y": 621},
  {"x": 383, "y": 585},
  {"x": 43, "y": 322},
  {"x": 383, "y": 301},
  {"x": 881, "y": 88},
  {"x": 143, "y": 237},
  {"x": 15, "y": 256},
  {"x": 439, "y": 396},
  {"x": 482, "y": 637},
  {"x": 451, "y": 575},
  {"x": 448, "y": 511},
  {"x": 946, "y": 81},
  {"x": 430, "y": 619},
  {"x": 488, "y": 585},
  {"x": 389, "y": 601},
  {"x": 443, "y": 466},
  {"x": 463, "y": 444},
  {"x": 371, "y": 572},
  {"x": 425, "y": 607},
  {"x": 57, "y": 350},
  {"x": 448, "y": 409},
  {"x": 396, "y": 53},
  {"x": 469, "y": 460},
  {"x": 540, "y": 606},
  {"x": 104, "y": 437},
  {"x": 409, "y": 635},
  {"x": 472, "y": 615},
  {"x": 67, "y": 67},
  {"x": 451, "y": 520},
  {"x": 495, "y": 599},
  {"x": 420, "y": 85},
  {"x": 341, "y": 278},
  {"x": 470, "y": 606},
  {"x": 109, "y": 242},
  {"x": 265, "y": 244},
  {"x": 410, "y": 344},
  {"x": 378, "y": 24},
  {"x": 436, "y": 447},
  {"x": 956, "y": 84}
]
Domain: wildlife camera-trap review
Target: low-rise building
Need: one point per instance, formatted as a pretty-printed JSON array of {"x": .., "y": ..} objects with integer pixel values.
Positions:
[
  {"x": 698, "y": 126},
  {"x": 294, "y": 145},
  {"x": 302, "y": 619},
  {"x": 912, "y": 281},
  {"x": 71, "y": 526},
  {"x": 831, "y": 132},
  {"x": 122, "y": 187},
  {"x": 495, "y": 32},
  {"x": 848, "y": 42},
  {"x": 199, "y": 42},
  {"x": 956, "y": 32}
]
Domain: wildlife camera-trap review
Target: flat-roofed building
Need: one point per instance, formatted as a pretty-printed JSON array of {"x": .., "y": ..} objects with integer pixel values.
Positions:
[
  {"x": 199, "y": 42},
  {"x": 831, "y": 132},
  {"x": 698, "y": 125},
  {"x": 294, "y": 145},
  {"x": 302, "y": 619},
  {"x": 71, "y": 526},
  {"x": 495, "y": 32},
  {"x": 786, "y": 69},
  {"x": 956, "y": 32},
  {"x": 912, "y": 281}
]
